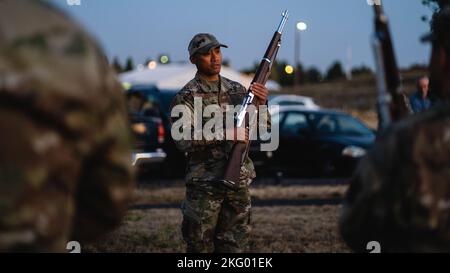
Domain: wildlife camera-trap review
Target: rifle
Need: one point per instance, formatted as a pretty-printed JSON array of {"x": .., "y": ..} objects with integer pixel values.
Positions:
[
  {"x": 239, "y": 151},
  {"x": 392, "y": 102}
]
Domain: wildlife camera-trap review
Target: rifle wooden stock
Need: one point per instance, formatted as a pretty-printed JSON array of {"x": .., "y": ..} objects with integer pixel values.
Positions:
[
  {"x": 233, "y": 171},
  {"x": 240, "y": 150}
]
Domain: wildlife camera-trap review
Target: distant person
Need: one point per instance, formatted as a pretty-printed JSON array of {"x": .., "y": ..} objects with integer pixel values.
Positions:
[
  {"x": 420, "y": 100},
  {"x": 400, "y": 195},
  {"x": 215, "y": 218},
  {"x": 64, "y": 147}
]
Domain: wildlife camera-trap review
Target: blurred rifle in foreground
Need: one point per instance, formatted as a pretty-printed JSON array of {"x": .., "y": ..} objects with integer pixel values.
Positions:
[
  {"x": 240, "y": 150},
  {"x": 392, "y": 102}
]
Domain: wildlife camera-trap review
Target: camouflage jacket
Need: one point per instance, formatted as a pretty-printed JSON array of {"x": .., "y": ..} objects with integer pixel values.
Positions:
[
  {"x": 207, "y": 159},
  {"x": 65, "y": 169},
  {"x": 400, "y": 195}
]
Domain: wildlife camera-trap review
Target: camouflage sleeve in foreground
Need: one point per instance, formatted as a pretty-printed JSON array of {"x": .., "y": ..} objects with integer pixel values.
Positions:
[
  {"x": 359, "y": 221},
  {"x": 65, "y": 169},
  {"x": 400, "y": 195},
  {"x": 106, "y": 185},
  {"x": 185, "y": 100}
]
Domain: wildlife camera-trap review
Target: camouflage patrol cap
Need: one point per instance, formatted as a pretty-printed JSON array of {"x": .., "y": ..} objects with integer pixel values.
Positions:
[
  {"x": 202, "y": 43},
  {"x": 440, "y": 29}
]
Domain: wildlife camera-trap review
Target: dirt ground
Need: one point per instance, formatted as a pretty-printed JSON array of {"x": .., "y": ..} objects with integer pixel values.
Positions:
[{"x": 276, "y": 229}]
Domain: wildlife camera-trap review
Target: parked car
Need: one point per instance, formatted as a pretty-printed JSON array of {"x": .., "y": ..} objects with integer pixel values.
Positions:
[
  {"x": 147, "y": 128},
  {"x": 286, "y": 100},
  {"x": 166, "y": 97},
  {"x": 155, "y": 104},
  {"x": 148, "y": 136},
  {"x": 314, "y": 143},
  {"x": 175, "y": 163}
]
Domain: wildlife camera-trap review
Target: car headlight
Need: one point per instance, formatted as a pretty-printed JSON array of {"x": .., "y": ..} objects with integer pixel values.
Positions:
[{"x": 353, "y": 151}]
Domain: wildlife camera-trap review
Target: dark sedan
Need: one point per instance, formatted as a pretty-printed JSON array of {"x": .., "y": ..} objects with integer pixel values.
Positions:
[{"x": 314, "y": 143}]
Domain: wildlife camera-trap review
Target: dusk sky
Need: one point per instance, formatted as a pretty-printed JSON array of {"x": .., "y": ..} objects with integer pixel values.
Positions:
[{"x": 147, "y": 28}]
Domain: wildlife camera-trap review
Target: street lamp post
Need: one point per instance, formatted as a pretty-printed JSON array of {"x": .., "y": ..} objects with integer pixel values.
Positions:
[{"x": 300, "y": 26}]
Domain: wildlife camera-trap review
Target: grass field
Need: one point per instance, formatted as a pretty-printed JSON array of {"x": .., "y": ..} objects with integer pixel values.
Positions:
[{"x": 276, "y": 229}]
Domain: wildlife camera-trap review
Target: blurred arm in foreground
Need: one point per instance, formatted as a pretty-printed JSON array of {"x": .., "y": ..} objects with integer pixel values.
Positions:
[
  {"x": 64, "y": 152},
  {"x": 400, "y": 195}
]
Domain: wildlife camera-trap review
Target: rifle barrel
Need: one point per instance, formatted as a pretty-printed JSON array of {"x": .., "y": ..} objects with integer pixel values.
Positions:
[{"x": 285, "y": 15}]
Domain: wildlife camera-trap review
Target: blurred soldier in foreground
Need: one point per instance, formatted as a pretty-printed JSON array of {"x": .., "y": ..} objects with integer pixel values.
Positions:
[
  {"x": 420, "y": 100},
  {"x": 215, "y": 218},
  {"x": 64, "y": 145},
  {"x": 400, "y": 195}
]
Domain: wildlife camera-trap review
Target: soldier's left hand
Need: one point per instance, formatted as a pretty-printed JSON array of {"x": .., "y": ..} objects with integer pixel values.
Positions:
[{"x": 260, "y": 92}]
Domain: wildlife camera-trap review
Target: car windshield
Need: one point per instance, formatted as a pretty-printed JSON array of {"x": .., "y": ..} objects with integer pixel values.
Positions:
[
  {"x": 294, "y": 123},
  {"x": 166, "y": 100},
  {"x": 143, "y": 100},
  {"x": 338, "y": 124}
]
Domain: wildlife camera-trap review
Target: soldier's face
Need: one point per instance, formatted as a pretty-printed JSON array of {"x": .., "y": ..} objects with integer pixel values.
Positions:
[{"x": 210, "y": 63}]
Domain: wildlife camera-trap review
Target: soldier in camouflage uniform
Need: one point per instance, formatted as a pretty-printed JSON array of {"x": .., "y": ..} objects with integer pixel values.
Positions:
[
  {"x": 64, "y": 146},
  {"x": 215, "y": 218},
  {"x": 400, "y": 195}
]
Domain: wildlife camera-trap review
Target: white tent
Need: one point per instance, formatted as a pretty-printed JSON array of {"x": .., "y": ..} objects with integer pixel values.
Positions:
[{"x": 175, "y": 76}]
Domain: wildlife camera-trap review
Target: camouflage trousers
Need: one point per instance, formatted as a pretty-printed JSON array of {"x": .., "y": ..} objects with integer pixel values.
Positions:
[{"x": 216, "y": 219}]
